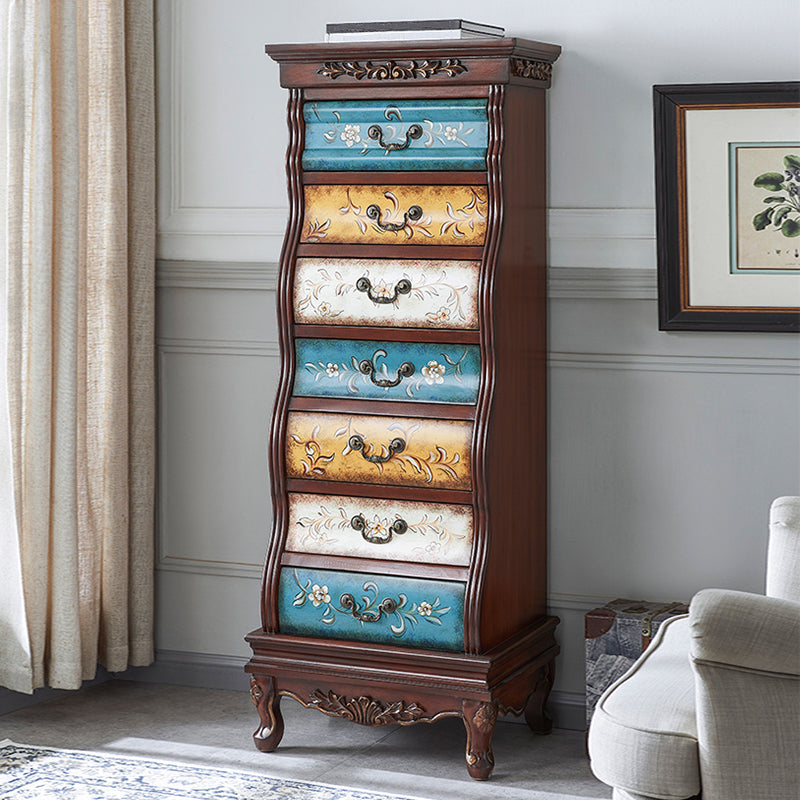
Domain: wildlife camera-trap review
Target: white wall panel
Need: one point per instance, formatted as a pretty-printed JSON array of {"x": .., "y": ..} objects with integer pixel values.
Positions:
[{"x": 215, "y": 402}]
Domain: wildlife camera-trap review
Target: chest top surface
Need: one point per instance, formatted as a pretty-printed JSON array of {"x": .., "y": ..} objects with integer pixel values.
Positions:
[{"x": 451, "y": 63}]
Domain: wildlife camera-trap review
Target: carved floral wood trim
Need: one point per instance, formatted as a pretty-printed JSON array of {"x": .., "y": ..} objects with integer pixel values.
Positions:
[
  {"x": 485, "y": 717},
  {"x": 392, "y": 70},
  {"x": 364, "y": 709},
  {"x": 534, "y": 70}
]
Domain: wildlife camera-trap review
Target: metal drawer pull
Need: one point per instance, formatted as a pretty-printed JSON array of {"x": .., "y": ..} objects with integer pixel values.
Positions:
[
  {"x": 395, "y": 446},
  {"x": 378, "y": 534},
  {"x": 405, "y": 370},
  {"x": 402, "y": 286},
  {"x": 348, "y": 604},
  {"x": 414, "y": 213},
  {"x": 376, "y": 132}
]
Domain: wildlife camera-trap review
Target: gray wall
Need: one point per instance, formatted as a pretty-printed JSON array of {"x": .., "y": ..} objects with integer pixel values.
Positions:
[{"x": 665, "y": 449}]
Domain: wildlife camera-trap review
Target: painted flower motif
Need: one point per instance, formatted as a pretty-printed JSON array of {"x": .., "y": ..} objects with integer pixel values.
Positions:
[
  {"x": 332, "y": 370},
  {"x": 379, "y": 529},
  {"x": 433, "y": 372},
  {"x": 442, "y": 315},
  {"x": 425, "y": 608},
  {"x": 319, "y": 595},
  {"x": 450, "y": 133},
  {"x": 382, "y": 290},
  {"x": 350, "y": 134},
  {"x": 324, "y": 309}
]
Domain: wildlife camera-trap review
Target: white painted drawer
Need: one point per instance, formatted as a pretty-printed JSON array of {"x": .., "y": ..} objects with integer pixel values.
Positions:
[{"x": 432, "y": 533}]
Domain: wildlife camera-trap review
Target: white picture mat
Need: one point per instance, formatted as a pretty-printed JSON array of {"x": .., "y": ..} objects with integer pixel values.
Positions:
[{"x": 708, "y": 132}]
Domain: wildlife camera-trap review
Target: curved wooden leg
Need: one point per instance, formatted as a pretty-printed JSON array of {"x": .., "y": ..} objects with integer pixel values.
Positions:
[
  {"x": 267, "y": 702},
  {"x": 479, "y": 719},
  {"x": 539, "y": 721}
]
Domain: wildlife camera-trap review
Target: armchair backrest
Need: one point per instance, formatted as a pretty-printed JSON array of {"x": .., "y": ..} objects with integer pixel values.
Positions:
[{"x": 783, "y": 552}]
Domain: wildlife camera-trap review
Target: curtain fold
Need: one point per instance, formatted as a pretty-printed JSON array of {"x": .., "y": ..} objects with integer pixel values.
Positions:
[{"x": 78, "y": 265}]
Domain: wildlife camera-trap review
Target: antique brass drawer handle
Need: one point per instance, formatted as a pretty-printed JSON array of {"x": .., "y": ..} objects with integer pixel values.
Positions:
[
  {"x": 395, "y": 446},
  {"x": 402, "y": 286},
  {"x": 414, "y": 213},
  {"x": 405, "y": 370},
  {"x": 378, "y": 534},
  {"x": 348, "y": 604},
  {"x": 376, "y": 132}
]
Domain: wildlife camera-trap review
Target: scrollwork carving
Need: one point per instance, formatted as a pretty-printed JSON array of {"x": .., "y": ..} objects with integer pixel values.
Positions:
[
  {"x": 533, "y": 70},
  {"x": 364, "y": 710},
  {"x": 392, "y": 70}
]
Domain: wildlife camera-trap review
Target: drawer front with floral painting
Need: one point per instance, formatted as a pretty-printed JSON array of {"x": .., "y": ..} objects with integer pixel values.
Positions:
[
  {"x": 410, "y": 293},
  {"x": 393, "y": 451},
  {"x": 394, "y": 530},
  {"x": 405, "y": 214},
  {"x": 404, "y": 134},
  {"x": 414, "y": 612},
  {"x": 368, "y": 370}
]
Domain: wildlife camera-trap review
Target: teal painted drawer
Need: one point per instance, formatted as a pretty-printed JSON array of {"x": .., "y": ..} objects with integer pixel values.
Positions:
[
  {"x": 431, "y": 373},
  {"x": 402, "y": 135},
  {"x": 387, "y": 609}
]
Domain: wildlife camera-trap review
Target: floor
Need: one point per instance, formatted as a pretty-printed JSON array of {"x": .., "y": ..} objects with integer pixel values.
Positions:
[{"x": 214, "y": 727}]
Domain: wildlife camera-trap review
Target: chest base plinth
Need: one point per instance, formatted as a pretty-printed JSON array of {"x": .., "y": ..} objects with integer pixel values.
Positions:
[{"x": 385, "y": 685}]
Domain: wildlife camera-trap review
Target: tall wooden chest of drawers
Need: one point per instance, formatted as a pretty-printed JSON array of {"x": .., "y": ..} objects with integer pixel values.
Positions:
[{"x": 406, "y": 576}]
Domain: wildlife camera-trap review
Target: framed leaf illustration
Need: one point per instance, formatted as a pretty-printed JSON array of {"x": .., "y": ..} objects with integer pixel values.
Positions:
[{"x": 728, "y": 206}]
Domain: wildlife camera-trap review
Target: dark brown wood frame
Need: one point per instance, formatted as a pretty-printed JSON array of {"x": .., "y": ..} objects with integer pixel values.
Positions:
[
  {"x": 510, "y": 646},
  {"x": 670, "y": 104}
]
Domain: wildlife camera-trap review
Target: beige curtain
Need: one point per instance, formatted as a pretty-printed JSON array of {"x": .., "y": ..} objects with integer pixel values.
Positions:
[{"x": 76, "y": 393}]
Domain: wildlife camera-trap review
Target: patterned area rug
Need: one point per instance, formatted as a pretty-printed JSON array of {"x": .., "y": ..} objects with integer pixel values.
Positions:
[{"x": 43, "y": 773}]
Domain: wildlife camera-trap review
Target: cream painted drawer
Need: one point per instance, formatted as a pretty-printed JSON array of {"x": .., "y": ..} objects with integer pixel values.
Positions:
[
  {"x": 393, "y": 530},
  {"x": 409, "y": 293}
]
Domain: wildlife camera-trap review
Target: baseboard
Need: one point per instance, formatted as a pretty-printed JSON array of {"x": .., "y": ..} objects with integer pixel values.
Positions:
[
  {"x": 15, "y": 701},
  {"x": 202, "y": 670},
  {"x": 206, "y": 671},
  {"x": 193, "y": 669}
]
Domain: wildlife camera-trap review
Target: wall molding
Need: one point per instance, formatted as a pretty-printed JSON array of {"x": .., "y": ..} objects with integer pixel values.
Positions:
[
  {"x": 195, "y": 566},
  {"x": 564, "y": 283},
  {"x": 601, "y": 283},
  {"x": 220, "y": 275},
  {"x": 649, "y": 362},
  {"x": 218, "y": 347}
]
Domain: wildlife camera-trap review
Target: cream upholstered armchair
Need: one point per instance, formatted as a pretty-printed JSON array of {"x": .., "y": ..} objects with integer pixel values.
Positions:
[{"x": 712, "y": 708}]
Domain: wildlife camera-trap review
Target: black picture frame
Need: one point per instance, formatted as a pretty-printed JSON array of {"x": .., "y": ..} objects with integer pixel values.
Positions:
[{"x": 674, "y": 214}]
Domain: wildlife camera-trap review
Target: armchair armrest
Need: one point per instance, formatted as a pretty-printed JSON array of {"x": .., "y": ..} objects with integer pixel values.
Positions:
[{"x": 746, "y": 631}]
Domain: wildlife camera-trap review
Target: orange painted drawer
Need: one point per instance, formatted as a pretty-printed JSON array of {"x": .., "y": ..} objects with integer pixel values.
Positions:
[
  {"x": 437, "y": 215},
  {"x": 396, "y": 451}
]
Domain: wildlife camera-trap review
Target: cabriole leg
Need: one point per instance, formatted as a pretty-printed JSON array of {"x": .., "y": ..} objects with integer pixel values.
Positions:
[
  {"x": 267, "y": 702},
  {"x": 539, "y": 721},
  {"x": 479, "y": 720}
]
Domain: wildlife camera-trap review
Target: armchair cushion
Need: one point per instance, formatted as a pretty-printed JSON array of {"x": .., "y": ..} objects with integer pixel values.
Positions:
[
  {"x": 643, "y": 736},
  {"x": 746, "y": 631}
]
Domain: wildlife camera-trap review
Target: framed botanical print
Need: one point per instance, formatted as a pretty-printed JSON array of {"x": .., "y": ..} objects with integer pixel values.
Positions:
[{"x": 728, "y": 206}]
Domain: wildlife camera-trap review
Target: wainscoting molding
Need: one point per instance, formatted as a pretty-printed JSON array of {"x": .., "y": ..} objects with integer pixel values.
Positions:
[
  {"x": 216, "y": 275},
  {"x": 564, "y": 283},
  {"x": 647, "y": 362}
]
